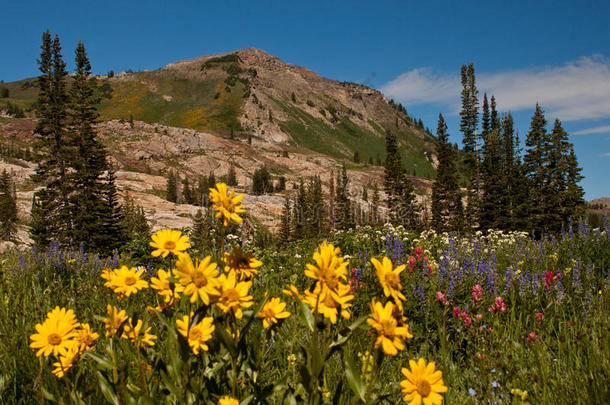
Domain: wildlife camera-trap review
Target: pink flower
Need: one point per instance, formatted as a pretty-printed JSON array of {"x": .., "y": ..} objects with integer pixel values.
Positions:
[
  {"x": 411, "y": 262},
  {"x": 440, "y": 297},
  {"x": 418, "y": 251},
  {"x": 425, "y": 259},
  {"x": 456, "y": 311},
  {"x": 550, "y": 278},
  {"x": 478, "y": 317},
  {"x": 539, "y": 316},
  {"x": 498, "y": 305},
  {"x": 430, "y": 270},
  {"x": 467, "y": 319},
  {"x": 532, "y": 337},
  {"x": 477, "y": 293},
  {"x": 480, "y": 356}
]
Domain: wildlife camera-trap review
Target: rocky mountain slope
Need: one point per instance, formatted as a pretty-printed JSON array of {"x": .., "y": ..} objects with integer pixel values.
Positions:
[{"x": 245, "y": 108}]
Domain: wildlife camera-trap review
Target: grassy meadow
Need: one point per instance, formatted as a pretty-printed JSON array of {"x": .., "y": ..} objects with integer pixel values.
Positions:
[{"x": 507, "y": 319}]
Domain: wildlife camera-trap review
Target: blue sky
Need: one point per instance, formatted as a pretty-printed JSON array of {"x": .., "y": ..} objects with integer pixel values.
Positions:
[{"x": 553, "y": 52}]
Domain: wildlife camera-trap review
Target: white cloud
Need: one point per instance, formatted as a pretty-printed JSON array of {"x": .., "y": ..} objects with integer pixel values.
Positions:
[
  {"x": 596, "y": 130},
  {"x": 605, "y": 154},
  {"x": 576, "y": 90}
]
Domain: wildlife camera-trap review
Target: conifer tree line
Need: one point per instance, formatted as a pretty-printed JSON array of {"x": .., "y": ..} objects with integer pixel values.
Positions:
[
  {"x": 78, "y": 199},
  {"x": 507, "y": 188}
]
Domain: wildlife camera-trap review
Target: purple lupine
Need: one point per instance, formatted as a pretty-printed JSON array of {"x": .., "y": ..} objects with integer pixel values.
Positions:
[
  {"x": 22, "y": 262},
  {"x": 419, "y": 293},
  {"x": 576, "y": 277}
]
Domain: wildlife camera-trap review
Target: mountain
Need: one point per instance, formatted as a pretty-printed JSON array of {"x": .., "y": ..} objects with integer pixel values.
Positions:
[{"x": 245, "y": 108}]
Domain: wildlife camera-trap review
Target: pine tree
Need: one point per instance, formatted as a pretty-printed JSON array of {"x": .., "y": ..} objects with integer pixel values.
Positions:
[
  {"x": 534, "y": 163},
  {"x": 573, "y": 201},
  {"x": 400, "y": 193},
  {"x": 8, "y": 207},
  {"x": 232, "y": 176},
  {"x": 331, "y": 201},
  {"x": 365, "y": 193},
  {"x": 51, "y": 218},
  {"x": 187, "y": 194},
  {"x": 492, "y": 187},
  {"x": 468, "y": 127},
  {"x": 485, "y": 123},
  {"x": 91, "y": 215},
  {"x": 509, "y": 175},
  {"x": 171, "y": 193},
  {"x": 495, "y": 120},
  {"x": 446, "y": 200},
  {"x": 356, "y": 157},
  {"x": 113, "y": 229},
  {"x": 343, "y": 214},
  {"x": 135, "y": 222},
  {"x": 285, "y": 226},
  {"x": 298, "y": 212}
]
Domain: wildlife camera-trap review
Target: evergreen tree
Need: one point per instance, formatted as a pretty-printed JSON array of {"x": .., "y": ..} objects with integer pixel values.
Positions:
[
  {"x": 495, "y": 120},
  {"x": 298, "y": 212},
  {"x": 113, "y": 230},
  {"x": 400, "y": 193},
  {"x": 232, "y": 176},
  {"x": 91, "y": 215},
  {"x": 281, "y": 184},
  {"x": 331, "y": 201},
  {"x": 51, "y": 217},
  {"x": 187, "y": 194},
  {"x": 365, "y": 193},
  {"x": 8, "y": 207},
  {"x": 446, "y": 200},
  {"x": 509, "y": 175},
  {"x": 485, "y": 123},
  {"x": 285, "y": 226},
  {"x": 492, "y": 189},
  {"x": 468, "y": 127},
  {"x": 573, "y": 201},
  {"x": 356, "y": 157},
  {"x": 171, "y": 193},
  {"x": 535, "y": 168},
  {"x": 261, "y": 181},
  {"x": 135, "y": 222},
  {"x": 343, "y": 213},
  {"x": 375, "y": 205},
  {"x": 520, "y": 192}
]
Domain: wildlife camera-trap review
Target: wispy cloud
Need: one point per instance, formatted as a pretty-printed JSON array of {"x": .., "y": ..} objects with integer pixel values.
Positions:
[
  {"x": 596, "y": 130},
  {"x": 576, "y": 90},
  {"x": 605, "y": 154}
]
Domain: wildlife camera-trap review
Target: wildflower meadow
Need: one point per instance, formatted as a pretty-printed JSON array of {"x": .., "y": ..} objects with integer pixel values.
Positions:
[{"x": 370, "y": 315}]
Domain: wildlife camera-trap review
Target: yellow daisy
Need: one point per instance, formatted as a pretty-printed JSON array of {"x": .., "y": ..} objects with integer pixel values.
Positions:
[
  {"x": 272, "y": 311},
  {"x": 389, "y": 334},
  {"x": 330, "y": 306},
  {"x": 162, "y": 284},
  {"x": 132, "y": 333},
  {"x": 228, "y": 401},
  {"x": 201, "y": 281},
  {"x": 199, "y": 334},
  {"x": 390, "y": 279},
  {"x": 114, "y": 320},
  {"x": 168, "y": 241},
  {"x": 329, "y": 269},
  {"x": 244, "y": 264},
  {"x": 86, "y": 337},
  {"x": 57, "y": 334},
  {"x": 422, "y": 383},
  {"x": 234, "y": 295},
  {"x": 65, "y": 362},
  {"x": 126, "y": 281},
  {"x": 227, "y": 205}
]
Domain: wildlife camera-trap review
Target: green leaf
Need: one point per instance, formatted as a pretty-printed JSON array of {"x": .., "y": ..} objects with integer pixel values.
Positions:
[
  {"x": 102, "y": 362},
  {"x": 225, "y": 338},
  {"x": 353, "y": 376},
  {"x": 344, "y": 335},
  {"x": 107, "y": 389},
  {"x": 308, "y": 316}
]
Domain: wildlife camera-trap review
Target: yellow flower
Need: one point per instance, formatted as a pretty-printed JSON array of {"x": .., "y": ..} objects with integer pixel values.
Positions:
[
  {"x": 234, "y": 295},
  {"x": 201, "y": 281},
  {"x": 390, "y": 279},
  {"x": 114, "y": 320},
  {"x": 244, "y": 264},
  {"x": 199, "y": 334},
  {"x": 86, "y": 337},
  {"x": 132, "y": 333},
  {"x": 292, "y": 291},
  {"x": 168, "y": 241},
  {"x": 329, "y": 269},
  {"x": 422, "y": 383},
  {"x": 330, "y": 305},
  {"x": 272, "y": 311},
  {"x": 57, "y": 334},
  {"x": 125, "y": 281},
  {"x": 389, "y": 334},
  {"x": 228, "y": 401},
  {"x": 227, "y": 205},
  {"x": 65, "y": 362},
  {"x": 162, "y": 284}
]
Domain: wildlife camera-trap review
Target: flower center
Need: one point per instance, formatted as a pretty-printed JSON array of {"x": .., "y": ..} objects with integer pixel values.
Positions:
[
  {"x": 388, "y": 326},
  {"x": 423, "y": 388},
  {"x": 199, "y": 279},
  {"x": 130, "y": 280},
  {"x": 195, "y": 334},
  {"x": 232, "y": 295},
  {"x": 169, "y": 245},
  {"x": 54, "y": 339},
  {"x": 392, "y": 280}
]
